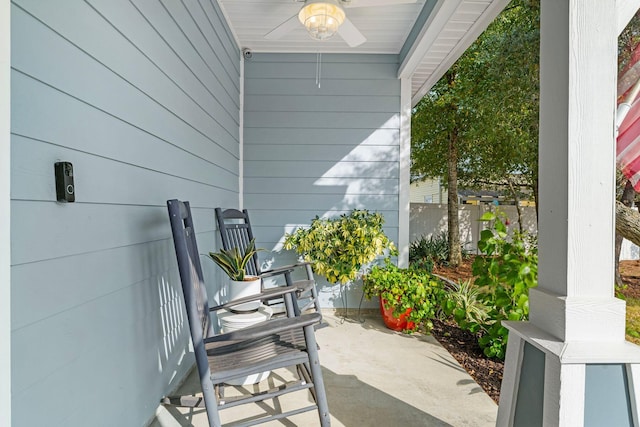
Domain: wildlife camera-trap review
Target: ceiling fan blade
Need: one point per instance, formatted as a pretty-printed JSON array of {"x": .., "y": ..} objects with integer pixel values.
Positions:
[
  {"x": 369, "y": 3},
  {"x": 351, "y": 34},
  {"x": 282, "y": 29}
]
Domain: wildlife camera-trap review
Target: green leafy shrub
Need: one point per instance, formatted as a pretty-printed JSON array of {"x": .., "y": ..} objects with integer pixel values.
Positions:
[
  {"x": 426, "y": 252},
  {"x": 404, "y": 288},
  {"x": 339, "y": 247},
  {"x": 464, "y": 302},
  {"x": 506, "y": 272}
]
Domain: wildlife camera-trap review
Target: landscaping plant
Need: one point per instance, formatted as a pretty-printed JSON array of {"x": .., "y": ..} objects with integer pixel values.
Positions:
[
  {"x": 426, "y": 252},
  {"x": 405, "y": 288},
  {"x": 339, "y": 247},
  {"x": 504, "y": 273},
  {"x": 464, "y": 302}
]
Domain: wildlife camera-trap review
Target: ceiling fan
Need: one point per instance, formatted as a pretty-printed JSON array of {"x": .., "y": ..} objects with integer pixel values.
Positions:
[{"x": 324, "y": 18}]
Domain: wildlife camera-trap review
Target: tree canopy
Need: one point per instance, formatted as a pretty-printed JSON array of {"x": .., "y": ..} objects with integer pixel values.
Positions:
[{"x": 490, "y": 98}]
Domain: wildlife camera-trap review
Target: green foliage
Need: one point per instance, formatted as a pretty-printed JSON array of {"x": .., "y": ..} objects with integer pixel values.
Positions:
[
  {"x": 478, "y": 125},
  {"x": 340, "y": 247},
  {"x": 426, "y": 252},
  {"x": 233, "y": 262},
  {"x": 485, "y": 106},
  {"x": 464, "y": 303},
  {"x": 506, "y": 272},
  {"x": 633, "y": 320},
  {"x": 627, "y": 42},
  {"x": 429, "y": 251},
  {"x": 405, "y": 288}
]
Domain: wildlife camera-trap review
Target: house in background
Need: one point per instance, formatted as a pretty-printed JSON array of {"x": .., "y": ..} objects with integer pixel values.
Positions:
[
  {"x": 432, "y": 191},
  {"x": 158, "y": 99},
  {"x": 428, "y": 191}
]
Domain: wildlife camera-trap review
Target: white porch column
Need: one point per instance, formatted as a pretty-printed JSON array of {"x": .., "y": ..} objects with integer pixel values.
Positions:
[
  {"x": 5, "y": 204},
  {"x": 405, "y": 175},
  {"x": 570, "y": 364}
]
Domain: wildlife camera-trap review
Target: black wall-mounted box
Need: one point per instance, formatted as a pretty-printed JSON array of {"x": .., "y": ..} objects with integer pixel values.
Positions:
[{"x": 65, "y": 189}]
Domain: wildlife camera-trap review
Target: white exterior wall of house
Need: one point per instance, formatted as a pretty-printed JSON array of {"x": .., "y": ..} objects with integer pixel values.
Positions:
[
  {"x": 323, "y": 150},
  {"x": 428, "y": 191},
  {"x": 143, "y": 98}
]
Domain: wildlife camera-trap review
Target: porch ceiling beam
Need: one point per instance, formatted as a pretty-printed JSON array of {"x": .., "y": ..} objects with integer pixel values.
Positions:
[
  {"x": 442, "y": 13},
  {"x": 625, "y": 9},
  {"x": 436, "y": 21}
]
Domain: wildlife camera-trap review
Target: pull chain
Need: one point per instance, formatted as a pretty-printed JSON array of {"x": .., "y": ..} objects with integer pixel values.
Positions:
[{"x": 318, "y": 69}]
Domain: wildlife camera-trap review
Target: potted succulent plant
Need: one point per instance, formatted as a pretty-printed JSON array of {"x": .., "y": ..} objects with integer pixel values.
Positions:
[
  {"x": 234, "y": 264},
  {"x": 409, "y": 298}
]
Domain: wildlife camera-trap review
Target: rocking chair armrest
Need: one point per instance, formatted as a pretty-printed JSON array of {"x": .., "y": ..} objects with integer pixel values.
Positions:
[
  {"x": 274, "y": 326},
  {"x": 304, "y": 285},
  {"x": 299, "y": 264},
  {"x": 265, "y": 295},
  {"x": 275, "y": 272},
  {"x": 289, "y": 267}
]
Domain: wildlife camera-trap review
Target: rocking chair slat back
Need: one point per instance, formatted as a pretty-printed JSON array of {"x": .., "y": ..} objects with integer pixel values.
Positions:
[{"x": 235, "y": 231}]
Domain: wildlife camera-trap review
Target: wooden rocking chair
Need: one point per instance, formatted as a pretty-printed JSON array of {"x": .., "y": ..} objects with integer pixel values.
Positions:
[
  {"x": 280, "y": 343},
  {"x": 235, "y": 231}
]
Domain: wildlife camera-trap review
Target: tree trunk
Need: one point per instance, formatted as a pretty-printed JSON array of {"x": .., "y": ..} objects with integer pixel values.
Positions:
[
  {"x": 516, "y": 199},
  {"x": 628, "y": 223},
  {"x": 627, "y": 199},
  {"x": 455, "y": 253},
  {"x": 535, "y": 194}
]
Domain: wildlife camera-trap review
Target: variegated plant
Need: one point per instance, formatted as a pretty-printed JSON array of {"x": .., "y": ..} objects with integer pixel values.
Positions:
[
  {"x": 339, "y": 247},
  {"x": 233, "y": 262}
]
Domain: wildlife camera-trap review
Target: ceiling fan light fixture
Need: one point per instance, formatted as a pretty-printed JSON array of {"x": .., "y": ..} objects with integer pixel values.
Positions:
[{"x": 321, "y": 18}]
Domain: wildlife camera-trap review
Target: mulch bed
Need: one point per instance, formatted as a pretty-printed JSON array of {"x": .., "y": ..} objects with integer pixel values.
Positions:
[
  {"x": 630, "y": 272},
  {"x": 463, "y": 345}
]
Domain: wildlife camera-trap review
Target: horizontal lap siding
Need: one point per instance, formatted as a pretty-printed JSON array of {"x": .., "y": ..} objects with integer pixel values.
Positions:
[
  {"x": 143, "y": 98},
  {"x": 325, "y": 150}
]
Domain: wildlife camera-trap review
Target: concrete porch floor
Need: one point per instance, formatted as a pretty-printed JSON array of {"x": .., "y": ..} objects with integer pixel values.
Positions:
[{"x": 373, "y": 377}]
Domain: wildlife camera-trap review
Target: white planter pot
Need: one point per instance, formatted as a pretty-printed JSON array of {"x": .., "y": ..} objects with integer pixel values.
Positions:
[{"x": 245, "y": 288}]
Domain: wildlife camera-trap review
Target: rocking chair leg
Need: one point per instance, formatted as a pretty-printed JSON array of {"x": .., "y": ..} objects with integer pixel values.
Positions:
[
  {"x": 304, "y": 374},
  {"x": 316, "y": 374},
  {"x": 314, "y": 290},
  {"x": 220, "y": 391}
]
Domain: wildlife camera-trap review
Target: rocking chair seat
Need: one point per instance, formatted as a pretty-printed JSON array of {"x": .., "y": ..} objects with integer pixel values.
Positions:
[{"x": 233, "y": 354}]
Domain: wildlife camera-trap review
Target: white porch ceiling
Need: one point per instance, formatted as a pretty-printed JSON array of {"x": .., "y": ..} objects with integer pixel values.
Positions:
[
  {"x": 450, "y": 28},
  {"x": 385, "y": 27}
]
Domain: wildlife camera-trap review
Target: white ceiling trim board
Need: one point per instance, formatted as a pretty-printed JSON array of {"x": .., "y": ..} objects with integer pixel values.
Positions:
[
  {"x": 430, "y": 31},
  {"x": 490, "y": 13}
]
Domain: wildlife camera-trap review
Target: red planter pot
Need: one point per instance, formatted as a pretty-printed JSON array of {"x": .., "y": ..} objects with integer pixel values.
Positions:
[{"x": 397, "y": 324}]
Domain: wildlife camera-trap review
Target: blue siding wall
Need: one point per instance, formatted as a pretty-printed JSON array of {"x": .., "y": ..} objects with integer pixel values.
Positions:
[
  {"x": 325, "y": 150},
  {"x": 606, "y": 397},
  {"x": 143, "y": 98},
  {"x": 530, "y": 399}
]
